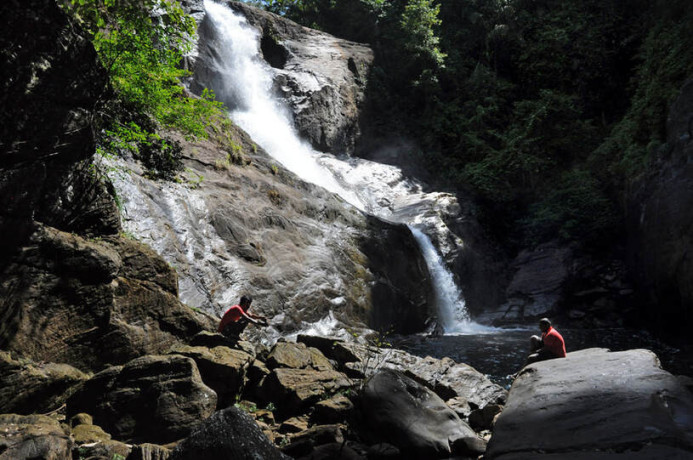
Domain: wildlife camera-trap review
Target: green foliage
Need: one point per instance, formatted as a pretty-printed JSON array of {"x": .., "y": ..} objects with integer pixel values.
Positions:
[
  {"x": 574, "y": 208},
  {"x": 665, "y": 60},
  {"x": 544, "y": 110},
  {"x": 141, "y": 44}
]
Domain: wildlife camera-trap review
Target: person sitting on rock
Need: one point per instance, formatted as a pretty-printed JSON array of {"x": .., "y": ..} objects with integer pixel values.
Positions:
[
  {"x": 236, "y": 318},
  {"x": 549, "y": 346}
]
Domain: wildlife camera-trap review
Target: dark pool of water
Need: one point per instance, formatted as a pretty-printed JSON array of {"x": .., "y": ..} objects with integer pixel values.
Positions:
[{"x": 502, "y": 353}]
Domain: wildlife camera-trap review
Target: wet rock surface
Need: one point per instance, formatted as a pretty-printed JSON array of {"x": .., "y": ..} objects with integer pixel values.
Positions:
[
  {"x": 315, "y": 254},
  {"x": 595, "y": 404}
]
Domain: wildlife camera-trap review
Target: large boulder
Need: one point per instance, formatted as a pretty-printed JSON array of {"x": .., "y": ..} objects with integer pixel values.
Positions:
[
  {"x": 153, "y": 399},
  {"x": 296, "y": 390},
  {"x": 27, "y": 387},
  {"x": 397, "y": 410},
  {"x": 27, "y": 437},
  {"x": 222, "y": 369},
  {"x": 659, "y": 223},
  {"x": 230, "y": 434},
  {"x": 595, "y": 404}
]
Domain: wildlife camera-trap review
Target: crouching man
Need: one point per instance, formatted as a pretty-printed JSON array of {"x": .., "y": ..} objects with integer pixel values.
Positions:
[{"x": 549, "y": 346}]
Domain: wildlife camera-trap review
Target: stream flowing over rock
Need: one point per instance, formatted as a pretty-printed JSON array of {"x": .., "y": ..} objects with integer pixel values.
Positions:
[
  {"x": 595, "y": 404},
  {"x": 321, "y": 77}
]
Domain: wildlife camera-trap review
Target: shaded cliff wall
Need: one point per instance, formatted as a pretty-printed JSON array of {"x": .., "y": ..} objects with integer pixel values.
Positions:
[
  {"x": 660, "y": 225},
  {"x": 71, "y": 288}
]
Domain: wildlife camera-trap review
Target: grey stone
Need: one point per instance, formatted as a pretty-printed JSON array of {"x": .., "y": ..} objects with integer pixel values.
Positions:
[
  {"x": 399, "y": 411},
  {"x": 592, "y": 403}
]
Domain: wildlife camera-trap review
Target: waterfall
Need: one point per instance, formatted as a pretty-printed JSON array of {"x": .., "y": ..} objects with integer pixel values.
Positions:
[{"x": 381, "y": 190}]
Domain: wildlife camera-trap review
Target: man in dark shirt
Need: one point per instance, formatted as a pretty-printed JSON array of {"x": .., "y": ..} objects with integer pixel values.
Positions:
[{"x": 550, "y": 345}]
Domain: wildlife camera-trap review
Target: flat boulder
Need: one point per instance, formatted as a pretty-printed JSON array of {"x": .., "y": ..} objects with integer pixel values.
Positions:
[
  {"x": 399, "y": 411},
  {"x": 295, "y": 390},
  {"x": 230, "y": 434},
  {"x": 595, "y": 404},
  {"x": 150, "y": 399},
  {"x": 297, "y": 356}
]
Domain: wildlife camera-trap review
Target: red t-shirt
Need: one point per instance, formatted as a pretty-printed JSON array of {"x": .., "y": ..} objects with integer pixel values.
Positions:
[
  {"x": 232, "y": 315},
  {"x": 553, "y": 341}
]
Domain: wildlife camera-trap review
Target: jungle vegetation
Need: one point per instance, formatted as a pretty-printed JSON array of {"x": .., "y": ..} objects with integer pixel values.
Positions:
[{"x": 547, "y": 112}]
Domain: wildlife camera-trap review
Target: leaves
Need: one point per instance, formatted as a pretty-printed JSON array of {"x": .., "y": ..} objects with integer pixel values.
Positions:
[{"x": 141, "y": 43}]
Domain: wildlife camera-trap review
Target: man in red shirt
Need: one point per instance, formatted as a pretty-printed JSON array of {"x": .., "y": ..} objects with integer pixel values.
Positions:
[
  {"x": 550, "y": 345},
  {"x": 237, "y": 318}
]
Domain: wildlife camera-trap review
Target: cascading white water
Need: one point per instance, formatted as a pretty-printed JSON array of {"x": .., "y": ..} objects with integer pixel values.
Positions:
[
  {"x": 377, "y": 189},
  {"x": 248, "y": 90}
]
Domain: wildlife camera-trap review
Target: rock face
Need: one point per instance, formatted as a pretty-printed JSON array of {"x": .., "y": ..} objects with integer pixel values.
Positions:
[
  {"x": 595, "y": 404},
  {"x": 27, "y": 387},
  {"x": 153, "y": 398},
  {"x": 301, "y": 251},
  {"x": 321, "y": 77},
  {"x": 91, "y": 302},
  {"x": 33, "y": 437},
  {"x": 227, "y": 435},
  {"x": 399, "y": 411},
  {"x": 659, "y": 225},
  {"x": 52, "y": 74}
]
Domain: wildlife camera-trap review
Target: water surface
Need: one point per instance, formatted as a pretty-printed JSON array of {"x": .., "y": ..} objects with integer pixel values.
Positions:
[{"x": 502, "y": 353}]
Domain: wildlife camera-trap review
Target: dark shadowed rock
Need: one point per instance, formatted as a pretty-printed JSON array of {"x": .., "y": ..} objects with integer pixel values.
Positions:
[
  {"x": 230, "y": 434},
  {"x": 303, "y": 444},
  {"x": 660, "y": 241},
  {"x": 30, "y": 437},
  {"x": 399, "y": 411},
  {"x": 153, "y": 399},
  {"x": 337, "y": 409},
  {"x": 91, "y": 302},
  {"x": 594, "y": 404},
  {"x": 27, "y": 387},
  {"x": 536, "y": 287}
]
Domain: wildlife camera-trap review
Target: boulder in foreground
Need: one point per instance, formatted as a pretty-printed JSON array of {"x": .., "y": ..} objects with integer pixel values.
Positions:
[{"x": 595, "y": 404}]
